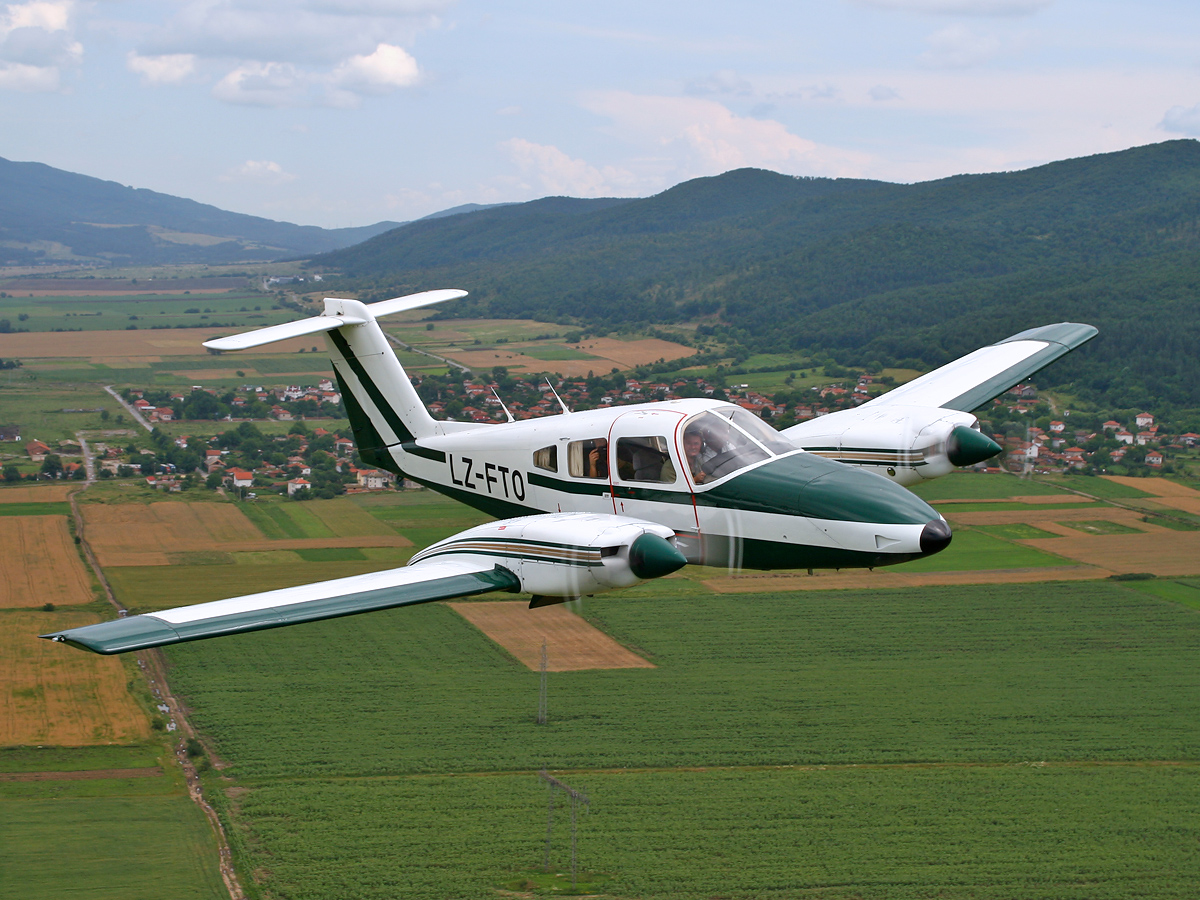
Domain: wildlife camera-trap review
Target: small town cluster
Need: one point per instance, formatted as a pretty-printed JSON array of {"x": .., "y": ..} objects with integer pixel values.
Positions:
[{"x": 311, "y": 461}]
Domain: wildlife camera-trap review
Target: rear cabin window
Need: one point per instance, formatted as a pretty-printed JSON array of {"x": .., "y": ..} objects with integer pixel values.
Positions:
[
  {"x": 645, "y": 459},
  {"x": 588, "y": 459},
  {"x": 546, "y": 458}
]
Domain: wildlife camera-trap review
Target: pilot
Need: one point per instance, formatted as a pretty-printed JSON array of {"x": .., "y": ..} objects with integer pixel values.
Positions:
[
  {"x": 693, "y": 448},
  {"x": 597, "y": 459}
]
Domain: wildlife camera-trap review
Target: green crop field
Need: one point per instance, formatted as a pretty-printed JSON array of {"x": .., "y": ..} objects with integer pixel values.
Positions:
[
  {"x": 111, "y": 312},
  {"x": 972, "y": 549},
  {"x": 1096, "y": 486},
  {"x": 973, "y": 486},
  {"x": 35, "y": 509},
  {"x": 284, "y": 520},
  {"x": 1005, "y": 832},
  {"x": 554, "y": 354},
  {"x": 934, "y": 709},
  {"x": 118, "y": 838},
  {"x": 1179, "y": 590},
  {"x": 1014, "y": 532}
]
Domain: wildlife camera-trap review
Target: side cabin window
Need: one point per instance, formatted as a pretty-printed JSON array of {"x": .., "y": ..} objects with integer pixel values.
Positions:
[
  {"x": 588, "y": 459},
  {"x": 645, "y": 459},
  {"x": 546, "y": 458}
]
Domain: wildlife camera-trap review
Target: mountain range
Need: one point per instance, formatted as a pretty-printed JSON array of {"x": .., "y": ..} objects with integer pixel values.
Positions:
[
  {"x": 862, "y": 271},
  {"x": 47, "y": 214}
]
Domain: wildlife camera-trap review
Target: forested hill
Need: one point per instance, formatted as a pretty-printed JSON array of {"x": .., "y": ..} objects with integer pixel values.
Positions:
[
  {"x": 91, "y": 219},
  {"x": 868, "y": 271}
]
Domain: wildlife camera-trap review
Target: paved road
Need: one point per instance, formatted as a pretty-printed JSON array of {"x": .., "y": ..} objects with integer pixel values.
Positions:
[{"x": 130, "y": 408}]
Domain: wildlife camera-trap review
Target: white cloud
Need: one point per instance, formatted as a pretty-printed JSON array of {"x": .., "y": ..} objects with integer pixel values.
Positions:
[
  {"x": 957, "y": 47},
  {"x": 557, "y": 173},
  {"x": 693, "y": 137},
  {"x": 302, "y": 33},
  {"x": 171, "y": 68},
  {"x": 961, "y": 7},
  {"x": 882, "y": 92},
  {"x": 385, "y": 70},
  {"x": 1182, "y": 120},
  {"x": 259, "y": 172},
  {"x": 48, "y": 16},
  {"x": 18, "y": 77},
  {"x": 279, "y": 84},
  {"x": 263, "y": 84},
  {"x": 36, "y": 44}
]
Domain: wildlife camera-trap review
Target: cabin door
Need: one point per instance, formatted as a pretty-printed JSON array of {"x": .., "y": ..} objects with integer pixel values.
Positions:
[{"x": 646, "y": 470}]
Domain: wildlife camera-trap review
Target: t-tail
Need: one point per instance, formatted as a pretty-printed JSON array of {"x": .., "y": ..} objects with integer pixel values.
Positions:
[{"x": 381, "y": 403}]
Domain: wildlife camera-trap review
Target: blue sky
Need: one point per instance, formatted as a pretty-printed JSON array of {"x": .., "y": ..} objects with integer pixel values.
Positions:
[{"x": 345, "y": 112}]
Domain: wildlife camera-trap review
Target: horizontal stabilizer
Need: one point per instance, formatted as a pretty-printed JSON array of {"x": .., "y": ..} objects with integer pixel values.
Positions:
[
  {"x": 328, "y": 321},
  {"x": 434, "y": 580}
]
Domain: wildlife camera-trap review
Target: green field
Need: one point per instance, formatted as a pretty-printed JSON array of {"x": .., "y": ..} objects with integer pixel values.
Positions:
[
  {"x": 124, "y": 839},
  {"x": 974, "y": 486},
  {"x": 1177, "y": 590},
  {"x": 58, "y": 508},
  {"x": 1096, "y": 486},
  {"x": 279, "y": 519},
  {"x": 113, "y": 312},
  {"x": 1014, "y": 532},
  {"x": 973, "y": 549},
  {"x": 1004, "y": 832},
  {"x": 353, "y": 737}
]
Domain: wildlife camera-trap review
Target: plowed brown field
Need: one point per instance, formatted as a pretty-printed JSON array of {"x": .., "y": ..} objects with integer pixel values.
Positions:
[
  {"x": 41, "y": 564},
  {"x": 571, "y": 643},
  {"x": 609, "y": 352},
  {"x": 54, "y": 694},
  {"x": 50, "y": 493},
  {"x": 1168, "y": 553},
  {"x": 127, "y": 345},
  {"x": 134, "y": 534}
]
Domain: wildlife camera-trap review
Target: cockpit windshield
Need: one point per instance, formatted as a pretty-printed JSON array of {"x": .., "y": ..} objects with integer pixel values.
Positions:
[{"x": 721, "y": 441}]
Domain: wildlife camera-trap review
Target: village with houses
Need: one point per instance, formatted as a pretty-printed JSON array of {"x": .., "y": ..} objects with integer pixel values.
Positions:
[{"x": 313, "y": 461}]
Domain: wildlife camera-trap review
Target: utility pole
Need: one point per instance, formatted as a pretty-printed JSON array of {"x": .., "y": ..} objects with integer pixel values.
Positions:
[
  {"x": 543, "y": 712},
  {"x": 577, "y": 798}
]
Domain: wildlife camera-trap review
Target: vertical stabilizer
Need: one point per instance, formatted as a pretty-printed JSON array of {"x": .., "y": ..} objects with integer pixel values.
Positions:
[{"x": 383, "y": 406}]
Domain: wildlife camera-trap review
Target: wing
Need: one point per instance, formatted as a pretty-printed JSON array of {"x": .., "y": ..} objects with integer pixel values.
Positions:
[
  {"x": 554, "y": 556},
  {"x": 974, "y": 379},
  {"x": 434, "y": 580}
]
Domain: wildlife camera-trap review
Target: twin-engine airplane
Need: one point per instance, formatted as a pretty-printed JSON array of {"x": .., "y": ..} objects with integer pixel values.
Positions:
[{"x": 593, "y": 501}]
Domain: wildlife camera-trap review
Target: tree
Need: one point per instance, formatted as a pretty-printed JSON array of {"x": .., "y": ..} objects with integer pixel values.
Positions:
[
  {"x": 52, "y": 465},
  {"x": 11, "y": 474}
]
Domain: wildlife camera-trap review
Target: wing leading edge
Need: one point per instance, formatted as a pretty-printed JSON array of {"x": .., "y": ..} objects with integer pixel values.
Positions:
[
  {"x": 406, "y": 586},
  {"x": 974, "y": 379}
]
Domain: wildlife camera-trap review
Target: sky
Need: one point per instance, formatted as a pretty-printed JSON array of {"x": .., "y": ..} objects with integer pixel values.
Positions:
[{"x": 347, "y": 112}]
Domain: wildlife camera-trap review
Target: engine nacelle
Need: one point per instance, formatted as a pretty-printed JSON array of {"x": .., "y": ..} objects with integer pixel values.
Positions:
[
  {"x": 566, "y": 555},
  {"x": 908, "y": 444}
]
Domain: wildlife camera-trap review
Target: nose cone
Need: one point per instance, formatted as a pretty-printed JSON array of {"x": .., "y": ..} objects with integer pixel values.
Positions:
[
  {"x": 935, "y": 537},
  {"x": 854, "y": 495},
  {"x": 653, "y": 557},
  {"x": 967, "y": 447}
]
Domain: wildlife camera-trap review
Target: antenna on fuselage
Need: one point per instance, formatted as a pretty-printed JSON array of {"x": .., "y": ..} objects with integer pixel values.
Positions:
[
  {"x": 502, "y": 406},
  {"x": 566, "y": 412}
]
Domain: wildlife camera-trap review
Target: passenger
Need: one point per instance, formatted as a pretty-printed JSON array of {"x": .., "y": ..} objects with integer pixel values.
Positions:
[{"x": 597, "y": 466}]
